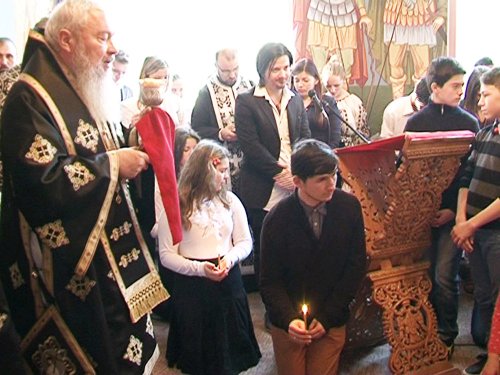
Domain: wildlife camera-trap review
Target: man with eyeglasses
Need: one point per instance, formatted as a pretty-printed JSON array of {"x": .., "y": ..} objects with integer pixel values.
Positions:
[{"x": 213, "y": 112}]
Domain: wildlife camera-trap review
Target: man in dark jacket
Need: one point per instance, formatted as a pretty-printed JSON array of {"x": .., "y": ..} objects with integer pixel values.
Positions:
[
  {"x": 313, "y": 254},
  {"x": 270, "y": 118}
]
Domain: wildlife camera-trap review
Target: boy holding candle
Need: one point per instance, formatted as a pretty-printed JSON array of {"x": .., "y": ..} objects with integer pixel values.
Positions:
[{"x": 313, "y": 253}]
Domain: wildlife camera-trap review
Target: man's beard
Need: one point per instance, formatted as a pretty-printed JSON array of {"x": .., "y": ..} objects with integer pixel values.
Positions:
[
  {"x": 227, "y": 82},
  {"x": 96, "y": 88}
]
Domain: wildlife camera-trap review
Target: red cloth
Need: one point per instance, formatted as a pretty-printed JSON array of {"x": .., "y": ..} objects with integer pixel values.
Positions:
[
  {"x": 494, "y": 343},
  {"x": 397, "y": 142},
  {"x": 157, "y": 130}
]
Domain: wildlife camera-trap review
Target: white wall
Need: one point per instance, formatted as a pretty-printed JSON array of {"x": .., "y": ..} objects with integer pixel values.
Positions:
[
  {"x": 478, "y": 31},
  {"x": 187, "y": 33},
  {"x": 7, "y": 21},
  {"x": 18, "y": 16}
]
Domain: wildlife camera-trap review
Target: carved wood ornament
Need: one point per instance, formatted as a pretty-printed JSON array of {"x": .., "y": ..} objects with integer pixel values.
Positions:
[{"x": 399, "y": 182}]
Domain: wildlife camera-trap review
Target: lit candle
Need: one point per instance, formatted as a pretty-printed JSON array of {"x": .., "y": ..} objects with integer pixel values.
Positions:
[{"x": 304, "y": 313}]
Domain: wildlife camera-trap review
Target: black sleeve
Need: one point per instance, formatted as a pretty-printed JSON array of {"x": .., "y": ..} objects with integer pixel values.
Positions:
[
  {"x": 255, "y": 136},
  {"x": 333, "y": 113},
  {"x": 203, "y": 119},
  {"x": 304, "y": 129},
  {"x": 272, "y": 273}
]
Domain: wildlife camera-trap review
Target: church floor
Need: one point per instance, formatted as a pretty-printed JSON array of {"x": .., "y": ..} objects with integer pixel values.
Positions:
[{"x": 369, "y": 361}]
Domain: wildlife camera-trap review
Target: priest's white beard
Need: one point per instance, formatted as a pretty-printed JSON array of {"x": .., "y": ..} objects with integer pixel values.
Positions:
[{"x": 96, "y": 88}]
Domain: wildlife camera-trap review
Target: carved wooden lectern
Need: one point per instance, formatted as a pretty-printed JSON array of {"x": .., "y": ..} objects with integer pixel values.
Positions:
[{"x": 399, "y": 182}]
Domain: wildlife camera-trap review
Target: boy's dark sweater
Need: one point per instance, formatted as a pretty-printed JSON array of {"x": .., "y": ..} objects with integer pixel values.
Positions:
[
  {"x": 441, "y": 117},
  {"x": 482, "y": 174}
]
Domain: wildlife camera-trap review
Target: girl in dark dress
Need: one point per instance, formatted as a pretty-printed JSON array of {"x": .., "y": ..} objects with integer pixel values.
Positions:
[
  {"x": 211, "y": 331},
  {"x": 324, "y": 124}
]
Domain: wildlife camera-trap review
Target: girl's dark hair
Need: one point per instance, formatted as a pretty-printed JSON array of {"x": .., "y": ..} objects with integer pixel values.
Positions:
[
  {"x": 181, "y": 136},
  {"x": 267, "y": 56},
  {"x": 471, "y": 96},
  {"x": 308, "y": 66}
]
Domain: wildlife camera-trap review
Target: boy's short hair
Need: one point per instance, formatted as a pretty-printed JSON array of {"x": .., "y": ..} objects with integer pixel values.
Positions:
[
  {"x": 492, "y": 77},
  {"x": 441, "y": 69},
  {"x": 311, "y": 157}
]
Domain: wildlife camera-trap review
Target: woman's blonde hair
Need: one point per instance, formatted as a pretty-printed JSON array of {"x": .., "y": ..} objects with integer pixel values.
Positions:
[
  {"x": 332, "y": 68},
  {"x": 151, "y": 65},
  {"x": 197, "y": 179}
]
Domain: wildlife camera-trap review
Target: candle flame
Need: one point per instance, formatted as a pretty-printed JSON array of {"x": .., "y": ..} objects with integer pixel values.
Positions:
[{"x": 304, "y": 308}]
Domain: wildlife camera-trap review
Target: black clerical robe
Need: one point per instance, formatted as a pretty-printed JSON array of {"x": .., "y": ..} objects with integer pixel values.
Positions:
[{"x": 67, "y": 216}]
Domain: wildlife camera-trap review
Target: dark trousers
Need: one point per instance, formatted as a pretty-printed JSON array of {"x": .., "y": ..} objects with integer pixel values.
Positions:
[
  {"x": 255, "y": 218},
  {"x": 484, "y": 265},
  {"x": 445, "y": 262}
]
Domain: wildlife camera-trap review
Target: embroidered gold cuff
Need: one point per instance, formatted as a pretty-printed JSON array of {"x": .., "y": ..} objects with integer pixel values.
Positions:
[
  {"x": 78, "y": 174},
  {"x": 53, "y": 234},
  {"x": 80, "y": 286},
  {"x": 134, "y": 350},
  {"x": 41, "y": 150},
  {"x": 87, "y": 136}
]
